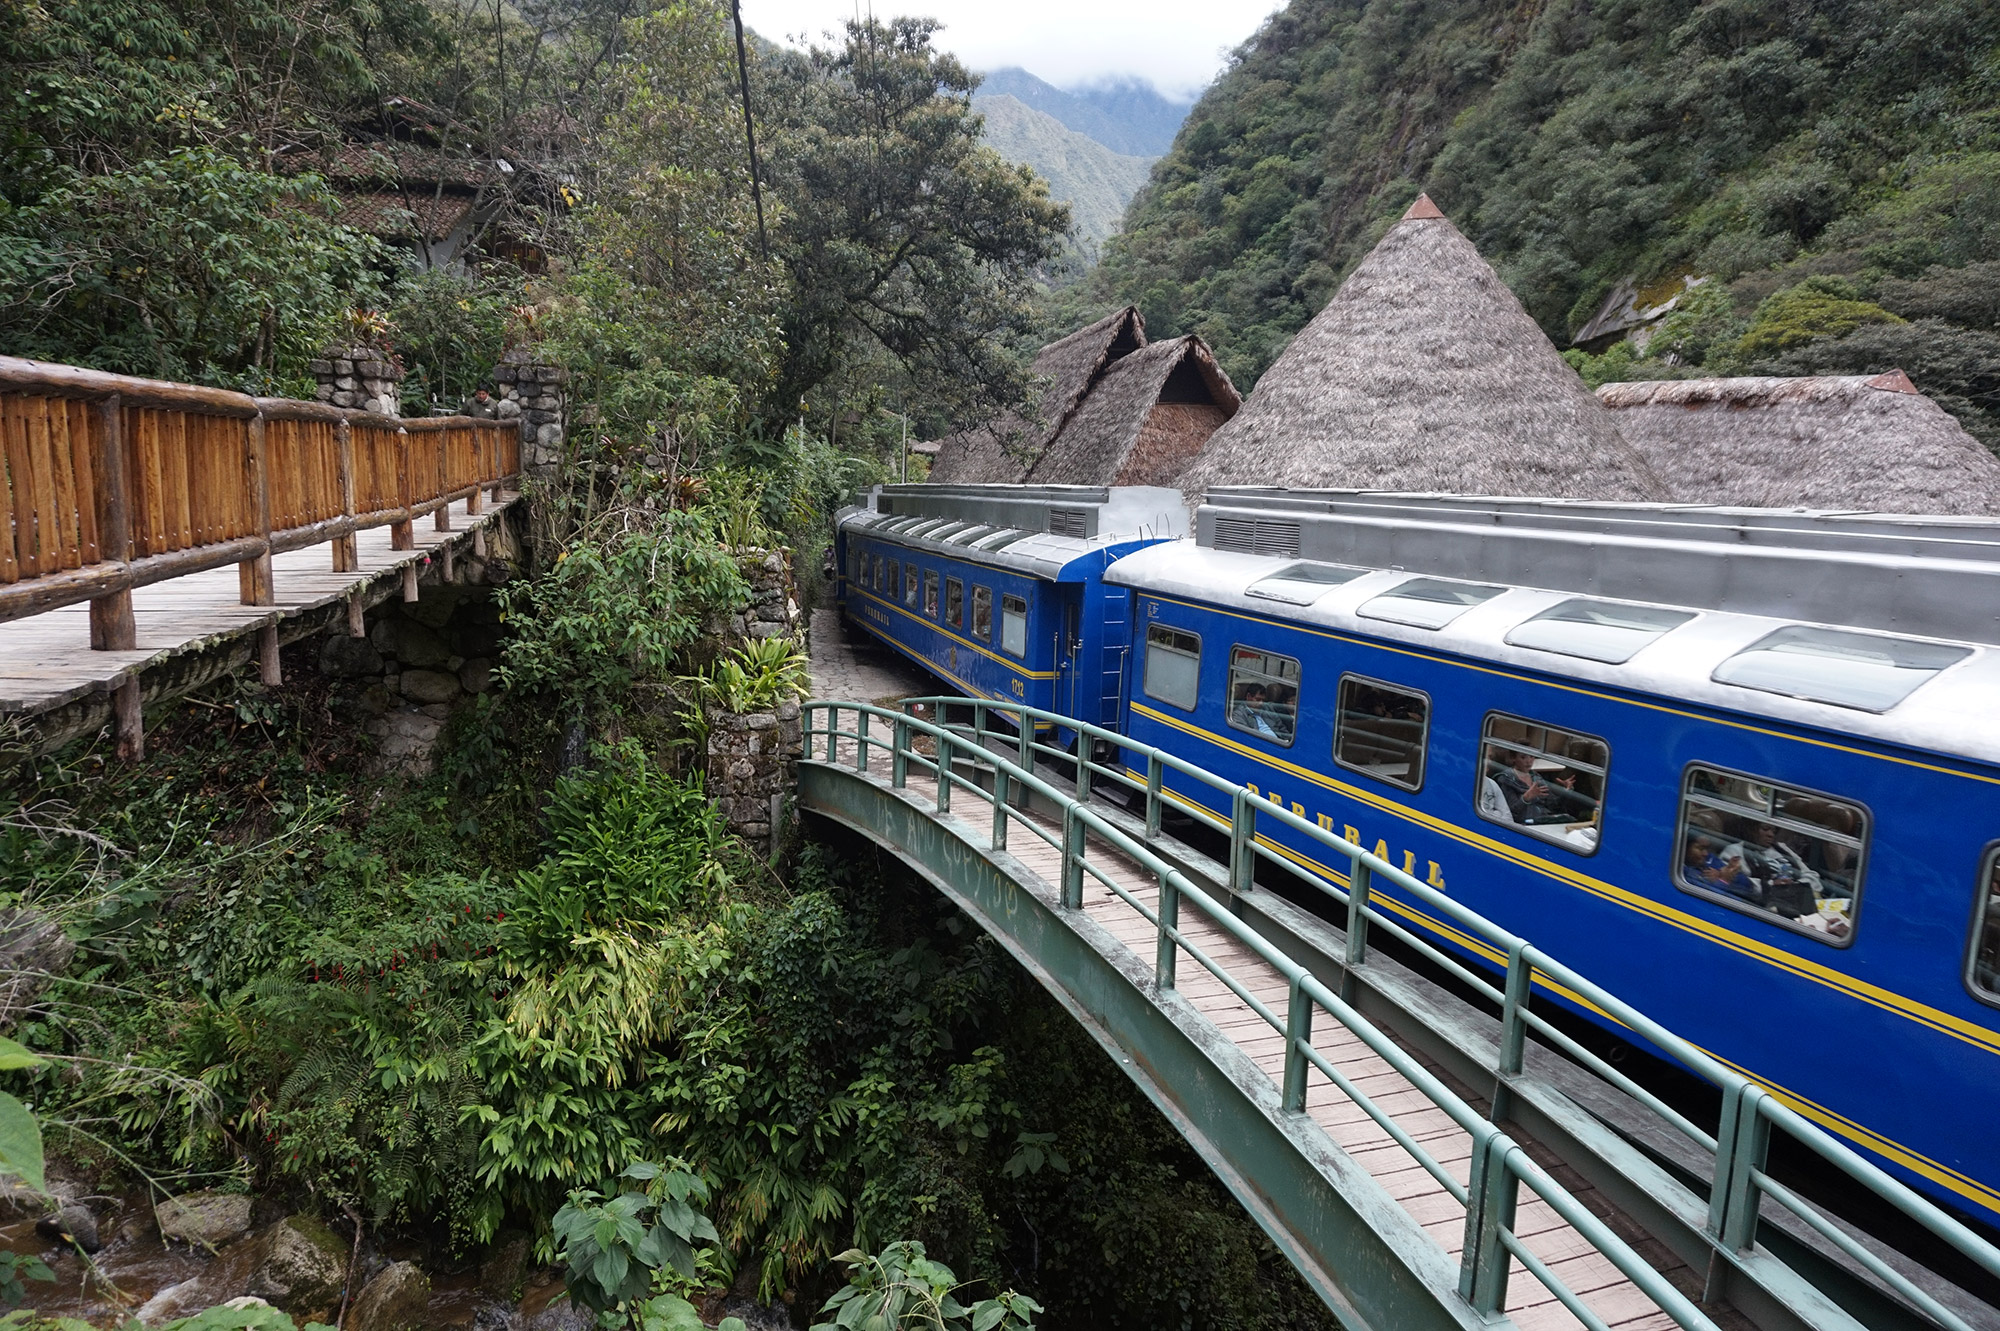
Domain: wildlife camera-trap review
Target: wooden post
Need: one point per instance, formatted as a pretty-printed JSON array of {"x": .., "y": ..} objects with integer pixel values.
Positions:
[
  {"x": 268, "y": 667},
  {"x": 410, "y": 582},
  {"x": 450, "y": 564},
  {"x": 402, "y": 535},
  {"x": 486, "y": 448},
  {"x": 254, "y": 575},
  {"x": 442, "y": 519},
  {"x": 111, "y": 625},
  {"x": 346, "y": 552},
  {"x": 357, "y": 616},
  {"x": 128, "y": 722},
  {"x": 479, "y": 540}
]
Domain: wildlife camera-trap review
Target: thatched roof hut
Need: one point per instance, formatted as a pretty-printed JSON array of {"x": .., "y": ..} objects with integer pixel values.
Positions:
[
  {"x": 1831, "y": 441},
  {"x": 1001, "y": 451},
  {"x": 1424, "y": 373},
  {"x": 1143, "y": 420}
]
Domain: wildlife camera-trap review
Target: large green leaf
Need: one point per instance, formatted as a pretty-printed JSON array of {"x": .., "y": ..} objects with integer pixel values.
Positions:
[
  {"x": 14, "y": 1056},
  {"x": 21, "y": 1143}
]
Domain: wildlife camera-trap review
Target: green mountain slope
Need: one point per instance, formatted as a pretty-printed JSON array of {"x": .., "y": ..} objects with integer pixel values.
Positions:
[
  {"x": 1577, "y": 142},
  {"x": 1096, "y": 182},
  {"x": 1125, "y": 115}
]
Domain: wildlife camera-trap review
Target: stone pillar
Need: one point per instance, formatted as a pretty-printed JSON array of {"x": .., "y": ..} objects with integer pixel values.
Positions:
[
  {"x": 753, "y": 760},
  {"x": 531, "y": 391},
  {"x": 365, "y": 377}
]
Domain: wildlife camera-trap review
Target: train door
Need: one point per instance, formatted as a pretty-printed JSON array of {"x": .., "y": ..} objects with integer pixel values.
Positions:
[{"x": 1072, "y": 671}]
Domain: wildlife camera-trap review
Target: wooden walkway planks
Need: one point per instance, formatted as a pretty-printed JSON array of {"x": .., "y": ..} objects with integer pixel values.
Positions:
[{"x": 46, "y": 660}]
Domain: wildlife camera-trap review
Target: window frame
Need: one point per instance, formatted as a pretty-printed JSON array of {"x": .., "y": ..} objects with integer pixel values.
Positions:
[
  {"x": 1529, "y": 830},
  {"x": 953, "y": 617},
  {"x": 1424, "y": 745},
  {"x": 1005, "y": 597},
  {"x": 1989, "y": 863},
  {"x": 1736, "y": 905},
  {"x": 933, "y": 602},
  {"x": 981, "y": 591},
  {"x": 1229, "y": 693},
  {"x": 912, "y": 583},
  {"x": 1199, "y": 648}
]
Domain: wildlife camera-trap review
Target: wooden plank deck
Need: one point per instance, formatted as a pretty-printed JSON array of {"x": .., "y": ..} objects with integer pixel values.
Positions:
[{"x": 46, "y": 660}]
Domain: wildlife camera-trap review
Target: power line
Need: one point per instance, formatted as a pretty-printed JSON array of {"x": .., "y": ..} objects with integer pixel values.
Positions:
[{"x": 749, "y": 128}]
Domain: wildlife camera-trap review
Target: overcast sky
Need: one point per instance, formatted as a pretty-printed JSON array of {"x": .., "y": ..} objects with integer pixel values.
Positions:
[{"x": 1176, "y": 44}]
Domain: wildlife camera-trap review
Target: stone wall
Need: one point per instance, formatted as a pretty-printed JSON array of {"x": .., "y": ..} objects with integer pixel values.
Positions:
[
  {"x": 753, "y": 760},
  {"x": 420, "y": 662},
  {"x": 531, "y": 392},
  {"x": 360, "y": 376}
]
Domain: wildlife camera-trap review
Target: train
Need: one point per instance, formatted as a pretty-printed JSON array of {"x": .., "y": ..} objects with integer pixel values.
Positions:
[{"x": 1740, "y": 766}]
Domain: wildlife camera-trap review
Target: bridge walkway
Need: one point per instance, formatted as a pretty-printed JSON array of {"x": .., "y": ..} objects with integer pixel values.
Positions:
[{"x": 1566, "y": 1195}]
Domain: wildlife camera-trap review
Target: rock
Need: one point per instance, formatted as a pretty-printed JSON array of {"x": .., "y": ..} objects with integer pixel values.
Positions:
[
  {"x": 208, "y": 1218},
  {"x": 34, "y": 949},
  {"x": 501, "y": 1274},
  {"x": 300, "y": 1266},
  {"x": 429, "y": 686},
  {"x": 788, "y": 711},
  {"x": 507, "y": 410},
  {"x": 759, "y": 721},
  {"x": 420, "y": 645},
  {"x": 72, "y": 1224},
  {"x": 341, "y": 656},
  {"x": 393, "y": 1301},
  {"x": 476, "y": 675}
]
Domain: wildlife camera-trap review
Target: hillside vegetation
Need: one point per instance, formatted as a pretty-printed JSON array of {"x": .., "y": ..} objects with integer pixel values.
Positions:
[
  {"x": 1128, "y": 116},
  {"x": 1095, "y": 182},
  {"x": 1833, "y": 164}
]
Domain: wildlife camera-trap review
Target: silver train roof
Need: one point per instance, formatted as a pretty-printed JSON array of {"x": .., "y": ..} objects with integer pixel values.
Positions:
[
  {"x": 1732, "y": 593},
  {"x": 1037, "y": 530}
]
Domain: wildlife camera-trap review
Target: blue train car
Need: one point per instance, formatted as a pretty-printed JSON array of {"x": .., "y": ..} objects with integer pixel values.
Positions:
[
  {"x": 999, "y": 590},
  {"x": 1740, "y": 766}
]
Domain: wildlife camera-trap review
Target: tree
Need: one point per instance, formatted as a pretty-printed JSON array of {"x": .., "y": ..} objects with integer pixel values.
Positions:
[{"x": 910, "y": 248}]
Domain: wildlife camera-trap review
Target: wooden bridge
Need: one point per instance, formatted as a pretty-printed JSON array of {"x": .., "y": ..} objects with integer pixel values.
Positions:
[
  {"x": 129, "y": 500},
  {"x": 1420, "y": 1136}
]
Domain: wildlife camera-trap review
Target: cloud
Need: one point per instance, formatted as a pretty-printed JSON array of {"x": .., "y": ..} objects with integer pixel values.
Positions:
[{"x": 1178, "y": 46}]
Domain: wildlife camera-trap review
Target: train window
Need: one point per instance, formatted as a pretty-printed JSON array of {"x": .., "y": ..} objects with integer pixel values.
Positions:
[
  {"x": 910, "y": 583},
  {"x": 1173, "y": 666},
  {"x": 1381, "y": 730},
  {"x": 1302, "y": 584},
  {"x": 854, "y": 567},
  {"x": 1982, "y": 968},
  {"x": 1427, "y": 603},
  {"x": 1860, "y": 670},
  {"x": 1789, "y": 856},
  {"x": 1596, "y": 630},
  {"x": 894, "y": 588},
  {"x": 982, "y": 613},
  {"x": 930, "y": 593},
  {"x": 1014, "y": 624},
  {"x": 1544, "y": 780},
  {"x": 954, "y": 602},
  {"x": 1263, "y": 693},
  {"x": 875, "y": 574}
]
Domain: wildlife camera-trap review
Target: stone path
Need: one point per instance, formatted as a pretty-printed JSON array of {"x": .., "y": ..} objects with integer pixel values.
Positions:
[{"x": 852, "y": 668}]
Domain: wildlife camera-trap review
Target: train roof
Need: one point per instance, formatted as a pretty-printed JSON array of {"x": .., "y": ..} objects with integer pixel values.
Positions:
[
  {"x": 1871, "y": 624},
  {"x": 1055, "y": 532}
]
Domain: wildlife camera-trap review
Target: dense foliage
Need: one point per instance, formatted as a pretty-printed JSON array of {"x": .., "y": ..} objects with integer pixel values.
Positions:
[{"x": 1757, "y": 143}]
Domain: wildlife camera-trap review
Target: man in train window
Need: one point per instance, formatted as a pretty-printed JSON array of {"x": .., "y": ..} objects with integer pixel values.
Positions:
[
  {"x": 1281, "y": 711},
  {"x": 1248, "y": 714},
  {"x": 1785, "y": 886},
  {"x": 1702, "y": 867},
  {"x": 1514, "y": 772}
]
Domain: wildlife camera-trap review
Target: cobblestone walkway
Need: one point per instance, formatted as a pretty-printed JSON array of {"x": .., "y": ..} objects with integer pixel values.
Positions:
[{"x": 856, "y": 670}]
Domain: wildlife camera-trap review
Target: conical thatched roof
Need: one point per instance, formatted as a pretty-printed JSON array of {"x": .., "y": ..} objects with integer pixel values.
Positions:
[
  {"x": 1424, "y": 373},
  {"x": 1143, "y": 420},
  {"x": 1832, "y": 441},
  {"x": 1001, "y": 451}
]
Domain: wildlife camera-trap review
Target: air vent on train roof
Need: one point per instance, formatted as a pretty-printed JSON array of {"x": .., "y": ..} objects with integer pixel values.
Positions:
[
  {"x": 1257, "y": 536},
  {"x": 1067, "y": 522}
]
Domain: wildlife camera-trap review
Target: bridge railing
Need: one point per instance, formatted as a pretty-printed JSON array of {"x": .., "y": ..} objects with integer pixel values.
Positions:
[
  {"x": 1750, "y": 1113},
  {"x": 109, "y": 482}
]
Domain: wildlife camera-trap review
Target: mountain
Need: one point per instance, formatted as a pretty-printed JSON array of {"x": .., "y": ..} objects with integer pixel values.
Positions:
[
  {"x": 1128, "y": 116},
  {"x": 1096, "y": 182},
  {"x": 1822, "y": 176}
]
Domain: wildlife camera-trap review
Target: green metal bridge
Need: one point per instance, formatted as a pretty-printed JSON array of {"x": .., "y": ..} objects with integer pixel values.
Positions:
[{"x": 1428, "y": 1156}]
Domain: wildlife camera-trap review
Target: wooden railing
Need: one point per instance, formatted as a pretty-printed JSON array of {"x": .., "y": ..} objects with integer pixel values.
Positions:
[{"x": 112, "y": 483}]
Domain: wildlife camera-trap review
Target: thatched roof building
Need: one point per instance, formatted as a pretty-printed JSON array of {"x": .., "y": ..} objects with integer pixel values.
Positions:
[
  {"x": 1424, "y": 373},
  {"x": 1114, "y": 410},
  {"x": 1143, "y": 420},
  {"x": 1831, "y": 441}
]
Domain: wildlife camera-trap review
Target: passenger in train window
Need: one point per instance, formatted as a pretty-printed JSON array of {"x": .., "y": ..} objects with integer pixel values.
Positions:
[
  {"x": 1248, "y": 714},
  {"x": 1983, "y": 972},
  {"x": 930, "y": 593},
  {"x": 1794, "y": 857},
  {"x": 1381, "y": 730},
  {"x": 1514, "y": 773},
  {"x": 910, "y": 583},
  {"x": 982, "y": 613},
  {"x": 895, "y": 588},
  {"x": 1263, "y": 692},
  {"x": 875, "y": 574},
  {"x": 1547, "y": 781},
  {"x": 1702, "y": 867}
]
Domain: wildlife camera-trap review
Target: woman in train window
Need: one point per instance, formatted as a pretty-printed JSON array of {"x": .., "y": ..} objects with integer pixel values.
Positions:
[
  {"x": 1785, "y": 885},
  {"x": 1703, "y": 868}
]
